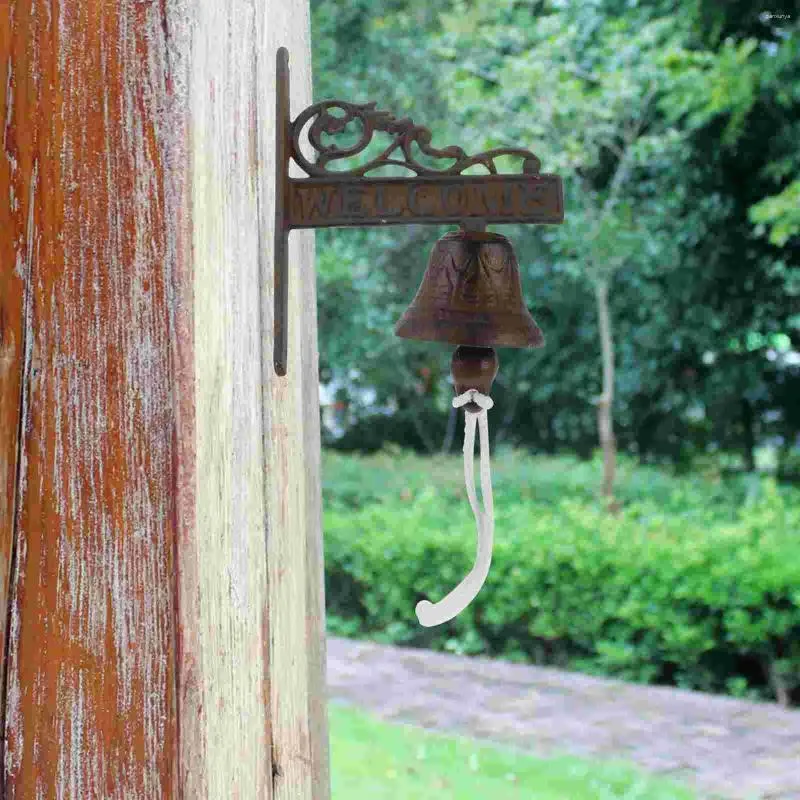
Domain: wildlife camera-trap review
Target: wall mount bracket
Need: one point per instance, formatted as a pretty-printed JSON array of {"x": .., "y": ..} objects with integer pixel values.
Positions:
[{"x": 346, "y": 198}]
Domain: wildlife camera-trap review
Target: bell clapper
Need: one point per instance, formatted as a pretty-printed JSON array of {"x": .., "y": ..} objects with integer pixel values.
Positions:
[{"x": 474, "y": 368}]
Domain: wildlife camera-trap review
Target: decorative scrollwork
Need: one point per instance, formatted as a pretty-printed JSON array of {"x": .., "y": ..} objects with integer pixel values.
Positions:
[{"x": 404, "y": 134}]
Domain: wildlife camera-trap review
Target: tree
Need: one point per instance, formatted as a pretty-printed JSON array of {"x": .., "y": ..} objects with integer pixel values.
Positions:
[
  {"x": 699, "y": 293},
  {"x": 585, "y": 89},
  {"x": 373, "y": 51},
  {"x": 741, "y": 108}
]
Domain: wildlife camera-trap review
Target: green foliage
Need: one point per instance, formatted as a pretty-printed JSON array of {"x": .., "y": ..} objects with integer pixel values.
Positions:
[
  {"x": 694, "y": 585},
  {"x": 374, "y": 760},
  {"x": 695, "y": 105},
  {"x": 781, "y": 213}
]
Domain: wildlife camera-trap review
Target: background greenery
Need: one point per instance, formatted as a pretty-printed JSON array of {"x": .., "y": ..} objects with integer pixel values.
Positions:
[
  {"x": 695, "y": 583},
  {"x": 674, "y": 125}
]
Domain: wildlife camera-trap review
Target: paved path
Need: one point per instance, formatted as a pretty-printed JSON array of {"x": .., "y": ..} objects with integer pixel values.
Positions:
[{"x": 723, "y": 747}]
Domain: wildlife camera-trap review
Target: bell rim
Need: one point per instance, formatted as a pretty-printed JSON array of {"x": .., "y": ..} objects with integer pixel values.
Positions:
[{"x": 532, "y": 335}]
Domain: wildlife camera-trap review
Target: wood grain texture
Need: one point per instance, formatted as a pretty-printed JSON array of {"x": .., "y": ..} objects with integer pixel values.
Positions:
[
  {"x": 13, "y": 243},
  {"x": 258, "y": 651},
  {"x": 90, "y": 700},
  {"x": 166, "y": 603},
  {"x": 292, "y": 422},
  {"x": 228, "y": 601}
]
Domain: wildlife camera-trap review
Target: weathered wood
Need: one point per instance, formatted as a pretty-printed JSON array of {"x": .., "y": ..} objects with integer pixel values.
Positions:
[
  {"x": 89, "y": 689},
  {"x": 166, "y": 609},
  {"x": 298, "y": 693},
  {"x": 16, "y": 228}
]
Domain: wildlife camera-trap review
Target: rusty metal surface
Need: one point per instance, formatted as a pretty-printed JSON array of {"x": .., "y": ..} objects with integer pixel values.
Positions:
[
  {"x": 401, "y": 201},
  {"x": 280, "y": 273},
  {"x": 471, "y": 295},
  {"x": 405, "y": 134},
  {"x": 344, "y": 197}
]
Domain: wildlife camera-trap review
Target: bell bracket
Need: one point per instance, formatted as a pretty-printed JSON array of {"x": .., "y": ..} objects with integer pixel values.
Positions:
[{"x": 346, "y": 198}]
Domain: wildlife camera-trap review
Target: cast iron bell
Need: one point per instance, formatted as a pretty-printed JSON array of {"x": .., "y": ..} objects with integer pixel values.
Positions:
[{"x": 471, "y": 295}]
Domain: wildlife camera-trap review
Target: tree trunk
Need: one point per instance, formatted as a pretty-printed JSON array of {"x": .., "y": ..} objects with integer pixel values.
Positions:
[
  {"x": 511, "y": 401},
  {"x": 748, "y": 435},
  {"x": 450, "y": 433},
  {"x": 605, "y": 422},
  {"x": 160, "y": 537},
  {"x": 419, "y": 428},
  {"x": 646, "y": 431}
]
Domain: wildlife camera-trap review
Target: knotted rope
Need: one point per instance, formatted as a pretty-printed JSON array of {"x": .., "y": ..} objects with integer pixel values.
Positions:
[{"x": 430, "y": 614}]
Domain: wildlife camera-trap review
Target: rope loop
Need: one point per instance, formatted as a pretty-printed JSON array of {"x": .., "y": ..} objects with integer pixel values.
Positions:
[
  {"x": 474, "y": 396},
  {"x": 430, "y": 614}
]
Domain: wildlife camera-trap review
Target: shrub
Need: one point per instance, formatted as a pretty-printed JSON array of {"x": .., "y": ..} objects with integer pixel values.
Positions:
[{"x": 686, "y": 590}]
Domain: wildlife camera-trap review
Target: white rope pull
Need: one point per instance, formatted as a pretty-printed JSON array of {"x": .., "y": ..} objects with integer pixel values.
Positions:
[{"x": 430, "y": 614}]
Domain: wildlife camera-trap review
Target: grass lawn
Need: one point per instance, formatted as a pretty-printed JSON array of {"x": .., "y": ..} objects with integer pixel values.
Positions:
[{"x": 375, "y": 760}]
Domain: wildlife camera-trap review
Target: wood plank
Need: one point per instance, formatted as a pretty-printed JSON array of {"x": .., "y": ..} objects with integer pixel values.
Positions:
[
  {"x": 294, "y": 541},
  {"x": 90, "y": 708},
  {"x": 167, "y": 618},
  {"x": 13, "y": 242},
  {"x": 227, "y": 606},
  {"x": 258, "y": 647},
  {"x": 258, "y": 635}
]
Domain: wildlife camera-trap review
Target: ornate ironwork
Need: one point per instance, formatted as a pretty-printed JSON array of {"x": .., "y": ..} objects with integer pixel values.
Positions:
[
  {"x": 331, "y": 197},
  {"x": 404, "y": 135}
]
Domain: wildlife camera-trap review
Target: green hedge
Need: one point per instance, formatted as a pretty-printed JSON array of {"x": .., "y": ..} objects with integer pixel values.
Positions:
[{"x": 685, "y": 590}]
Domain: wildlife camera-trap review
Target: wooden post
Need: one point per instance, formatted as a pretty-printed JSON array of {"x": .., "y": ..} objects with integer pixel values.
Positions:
[{"x": 161, "y": 569}]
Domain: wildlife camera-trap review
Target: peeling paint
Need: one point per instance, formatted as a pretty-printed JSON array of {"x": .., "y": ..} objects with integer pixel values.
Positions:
[
  {"x": 148, "y": 605},
  {"x": 94, "y": 575}
]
